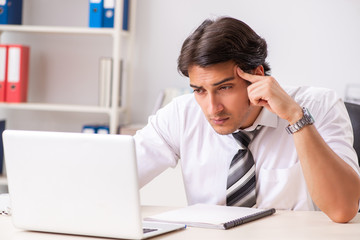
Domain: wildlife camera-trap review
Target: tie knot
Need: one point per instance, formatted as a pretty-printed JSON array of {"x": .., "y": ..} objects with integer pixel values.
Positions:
[{"x": 244, "y": 137}]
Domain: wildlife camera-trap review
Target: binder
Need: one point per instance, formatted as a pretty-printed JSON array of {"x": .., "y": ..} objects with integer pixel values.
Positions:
[
  {"x": 105, "y": 77},
  {"x": 96, "y": 129},
  {"x": 3, "y": 70},
  {"x": 126, "y": 15},
  {"x": 89, "y": 129},
  {"x": 10, "y": 11},
  {"x": 103, "y": 129},
  {"x": 96, "y": 13},
  {"x": 2, "y": 128},
  {"x": 101, "y": 13},
  {"x": 17, "y": 74},
  {"x": 108, "y": 15}
]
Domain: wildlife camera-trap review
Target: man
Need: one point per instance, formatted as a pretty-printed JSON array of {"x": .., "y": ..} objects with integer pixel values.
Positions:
[{"x": 311, "y": 165}]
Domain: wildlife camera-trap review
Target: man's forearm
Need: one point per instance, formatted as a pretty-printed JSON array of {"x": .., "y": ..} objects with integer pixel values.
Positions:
[{"x": 333, "y": 184}]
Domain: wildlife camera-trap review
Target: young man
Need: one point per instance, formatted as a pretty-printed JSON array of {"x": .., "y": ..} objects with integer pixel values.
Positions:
[{"x": 298, "y": 151}]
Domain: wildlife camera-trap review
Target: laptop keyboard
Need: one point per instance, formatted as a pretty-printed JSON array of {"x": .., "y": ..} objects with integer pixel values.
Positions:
[{"x": 147, "y": 230}]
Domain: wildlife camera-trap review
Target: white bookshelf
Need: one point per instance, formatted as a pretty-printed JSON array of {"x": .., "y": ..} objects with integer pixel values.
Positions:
[
  {"x": 60, "y": 107},
  {"x": 60, "y": 30},
  {"x": 119, "y": 91}
]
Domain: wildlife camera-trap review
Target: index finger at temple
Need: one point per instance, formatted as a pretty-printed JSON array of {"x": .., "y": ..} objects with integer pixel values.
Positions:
[{"x": 247, "y": 76}]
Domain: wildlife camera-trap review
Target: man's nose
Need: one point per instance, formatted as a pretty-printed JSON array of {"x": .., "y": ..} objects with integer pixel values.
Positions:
[{"x": 214, "y": 105}]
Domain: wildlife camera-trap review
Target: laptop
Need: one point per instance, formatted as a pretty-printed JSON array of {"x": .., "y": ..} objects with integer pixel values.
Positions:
[{"x": 76, "y": 183}]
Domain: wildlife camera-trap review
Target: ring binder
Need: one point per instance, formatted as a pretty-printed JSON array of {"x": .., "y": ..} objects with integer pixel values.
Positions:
[
  {"x": 11, "y": 11},
  {"x": 17, "y": 74}
]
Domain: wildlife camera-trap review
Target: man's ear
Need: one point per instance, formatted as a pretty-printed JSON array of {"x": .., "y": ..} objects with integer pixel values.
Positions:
[{"x": 259, "y": 70}]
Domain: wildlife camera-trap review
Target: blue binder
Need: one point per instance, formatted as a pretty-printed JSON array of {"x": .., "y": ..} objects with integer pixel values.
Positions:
[
  {"x": 126, "y": 15},
  {"x": 103, "y": 129},
  {"x": 96, "y": 13},
  {"x": 109, "y": 6},
  {"x": 10, "y": 11},
  {"x": 96, "y": 129},
  {"x": 108, "y": 16},
  {"x": 89, "y": 129}
]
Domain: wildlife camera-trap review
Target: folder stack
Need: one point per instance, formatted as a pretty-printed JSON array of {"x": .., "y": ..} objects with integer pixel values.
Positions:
[
  {"x": 101, "y": 14},
  {"x": 14, "y": 73},
  {"x": 10, "y": 11}
]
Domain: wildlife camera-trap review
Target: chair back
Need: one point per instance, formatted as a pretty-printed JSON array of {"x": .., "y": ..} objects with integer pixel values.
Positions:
[{"x": 354, "y": 113}]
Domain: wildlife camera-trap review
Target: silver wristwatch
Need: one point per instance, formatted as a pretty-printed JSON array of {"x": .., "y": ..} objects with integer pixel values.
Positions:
[{"x": 307, "y": 119}]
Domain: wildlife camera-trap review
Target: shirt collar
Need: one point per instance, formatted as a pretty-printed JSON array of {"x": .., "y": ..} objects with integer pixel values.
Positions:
[{"x": 266, "y": 119}]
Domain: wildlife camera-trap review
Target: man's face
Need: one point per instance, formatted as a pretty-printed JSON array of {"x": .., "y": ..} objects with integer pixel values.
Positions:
[{"x": 222, "y": 96}]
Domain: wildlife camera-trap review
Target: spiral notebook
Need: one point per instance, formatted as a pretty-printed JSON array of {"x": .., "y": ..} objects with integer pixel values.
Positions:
[{"x": 212, "y": 216}]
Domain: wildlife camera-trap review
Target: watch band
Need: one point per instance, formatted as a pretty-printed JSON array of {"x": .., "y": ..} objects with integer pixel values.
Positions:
[{"x": 307, "y": 119}]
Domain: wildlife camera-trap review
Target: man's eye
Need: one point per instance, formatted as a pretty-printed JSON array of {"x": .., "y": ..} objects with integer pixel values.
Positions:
[
  {"x": 198, "y": 91},
  {"x": 225, "y": 87}
]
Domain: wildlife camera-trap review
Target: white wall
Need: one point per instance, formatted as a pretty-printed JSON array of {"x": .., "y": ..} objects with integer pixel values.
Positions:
[{"x": 311, "y": 42}]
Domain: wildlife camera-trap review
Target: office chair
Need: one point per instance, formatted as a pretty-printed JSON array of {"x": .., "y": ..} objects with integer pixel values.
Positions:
[{"x": 354, "y": 113}]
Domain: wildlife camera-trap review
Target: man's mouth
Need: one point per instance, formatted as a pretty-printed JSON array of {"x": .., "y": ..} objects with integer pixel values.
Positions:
[{"x": 219, "y": 121}]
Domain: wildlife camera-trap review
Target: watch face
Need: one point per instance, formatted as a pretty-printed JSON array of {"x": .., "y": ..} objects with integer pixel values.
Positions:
[
  {"x": 307, "y": 115},
  {"x": 305, "y": 120}
]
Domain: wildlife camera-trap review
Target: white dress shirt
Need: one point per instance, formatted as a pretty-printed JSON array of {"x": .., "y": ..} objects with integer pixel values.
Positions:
[{"x": 181, "y": 131}]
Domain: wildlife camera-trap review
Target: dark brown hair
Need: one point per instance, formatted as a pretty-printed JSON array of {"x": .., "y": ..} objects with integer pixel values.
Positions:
[{"x": 222, "y": 40}]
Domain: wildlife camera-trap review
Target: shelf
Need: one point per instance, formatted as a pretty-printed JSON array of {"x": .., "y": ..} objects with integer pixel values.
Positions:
[
  {"x": 121, "y": 44},
  {"x": 60, "y": 30},
  {"x": 57, "y": 107}
]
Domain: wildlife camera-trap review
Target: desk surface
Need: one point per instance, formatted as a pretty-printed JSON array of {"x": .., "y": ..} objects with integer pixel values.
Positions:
[{"x": 281, "y": 225}]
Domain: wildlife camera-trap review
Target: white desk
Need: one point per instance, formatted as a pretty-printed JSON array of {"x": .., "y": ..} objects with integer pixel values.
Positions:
[{"x": 281, "y": 225}]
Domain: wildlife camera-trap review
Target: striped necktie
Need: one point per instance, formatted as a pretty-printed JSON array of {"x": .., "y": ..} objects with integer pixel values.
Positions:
[{"x": 241, "y": 182}]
